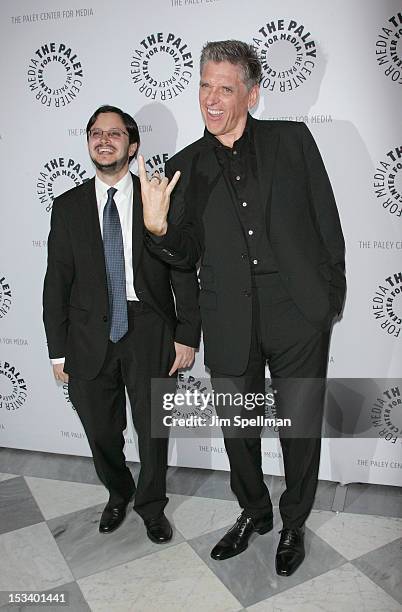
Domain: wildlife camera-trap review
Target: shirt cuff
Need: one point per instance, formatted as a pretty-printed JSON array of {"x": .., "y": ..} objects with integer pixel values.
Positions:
[{"x": 58, "y": 360}]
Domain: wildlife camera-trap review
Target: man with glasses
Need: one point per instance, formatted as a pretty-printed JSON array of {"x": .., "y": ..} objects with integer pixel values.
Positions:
[{"x": 111, "y": 320}]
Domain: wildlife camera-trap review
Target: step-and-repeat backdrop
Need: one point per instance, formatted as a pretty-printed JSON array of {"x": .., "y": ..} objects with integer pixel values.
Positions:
[{"x": 335, "y": 65}]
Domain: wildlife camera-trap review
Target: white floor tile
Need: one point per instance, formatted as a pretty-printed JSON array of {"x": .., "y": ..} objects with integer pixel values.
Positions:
[
  {"x": 58, "y": 497},
  {"x": 7, "y": 476},
  {"x": 195, "y": 516},
  {"x": 343, "y": 589},
  {"x": 172, "y": 580},
  {"x": 31, "y": 560},
  {"x": 353, "y": 535}
]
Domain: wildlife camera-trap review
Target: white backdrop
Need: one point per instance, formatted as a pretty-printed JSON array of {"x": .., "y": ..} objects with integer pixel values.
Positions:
[{"x": 336, "y": 65}]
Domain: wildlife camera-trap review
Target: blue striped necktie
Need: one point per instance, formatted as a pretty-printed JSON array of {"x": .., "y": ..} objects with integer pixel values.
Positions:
[{"x": 115, "y": 269}]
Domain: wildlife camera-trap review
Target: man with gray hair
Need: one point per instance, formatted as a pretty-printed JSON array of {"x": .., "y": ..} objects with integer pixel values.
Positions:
[{"x": 259, "y": 214}]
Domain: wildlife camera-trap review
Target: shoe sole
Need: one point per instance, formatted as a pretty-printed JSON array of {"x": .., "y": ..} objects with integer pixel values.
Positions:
[{"x": 229, "y": 556}]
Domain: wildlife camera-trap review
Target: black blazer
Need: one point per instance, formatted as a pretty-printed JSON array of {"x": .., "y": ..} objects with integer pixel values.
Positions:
[
  {"x": 75, "y": 297},
  {"x": 302, "y": 225}
]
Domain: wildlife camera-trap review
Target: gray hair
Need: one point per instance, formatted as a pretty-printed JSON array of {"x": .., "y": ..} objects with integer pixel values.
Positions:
[{"x": 236, "y": 52}]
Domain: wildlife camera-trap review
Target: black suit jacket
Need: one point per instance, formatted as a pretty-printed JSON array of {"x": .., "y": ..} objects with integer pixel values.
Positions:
[
  {"x": 75, "y": 297},
  {"x": 302, "y": 224}
]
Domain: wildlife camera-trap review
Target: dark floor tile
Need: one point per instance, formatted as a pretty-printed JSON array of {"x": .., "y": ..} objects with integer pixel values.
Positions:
[
  {"x": 325, "y": 494},
  {"x": 18, "y": 507},
  {"x": 201, "y": 483},
  {"x": 380, "y": 500},
  {"x": 48, "y": 465},
  {"x": 87, "y": 551},
  {"x": 52, "y": 465},
  {"x": 384, "y": 567},
  {"x": 251, "y": 576}
]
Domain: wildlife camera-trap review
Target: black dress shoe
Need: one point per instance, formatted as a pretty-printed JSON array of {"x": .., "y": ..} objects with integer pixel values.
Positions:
[
  {"x": 290, "y": 551},
  {"x": 112, "y": 517},
  {"x": 235, "y": 541},
  {"x": 159, "y": 529}
]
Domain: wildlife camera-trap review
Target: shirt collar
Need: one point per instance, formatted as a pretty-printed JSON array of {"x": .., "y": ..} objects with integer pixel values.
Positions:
[
  {"x": 122, "y": 186},
  {"x": 243, "y": 138}
]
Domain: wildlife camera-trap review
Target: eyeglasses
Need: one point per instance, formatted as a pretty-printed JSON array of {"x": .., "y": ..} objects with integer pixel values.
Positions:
[{"x": 113, "y": 134}]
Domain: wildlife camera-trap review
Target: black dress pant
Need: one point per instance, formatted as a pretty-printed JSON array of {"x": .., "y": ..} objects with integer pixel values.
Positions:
[
  {"x": 146, "y": 351},
  {"x": 297, "y": 355}
]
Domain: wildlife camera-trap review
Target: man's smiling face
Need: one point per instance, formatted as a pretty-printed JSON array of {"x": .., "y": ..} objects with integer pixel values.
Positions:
[
  {"x": 110, "y": 153},
  {"x": 225, "y": 100}
]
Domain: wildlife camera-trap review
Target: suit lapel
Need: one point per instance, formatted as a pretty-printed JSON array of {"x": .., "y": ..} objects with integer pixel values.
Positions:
[
  {"x": 266, "y": 146},
  {"x": 90, "y": 210},
  {"x": 207, "y": 170},
  {"x": 138, "y": 224}
]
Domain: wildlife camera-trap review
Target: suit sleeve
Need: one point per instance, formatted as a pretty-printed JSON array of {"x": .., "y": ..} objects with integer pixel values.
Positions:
[
  {"x": 185, "y": 288},
  {"x": 181, "y": 246},
  {"x": 326, "y": 215},
  {"x": 181, "y": 250},
  {"x": 57, "y": 285},
  {"x": 183, "y": 275}
]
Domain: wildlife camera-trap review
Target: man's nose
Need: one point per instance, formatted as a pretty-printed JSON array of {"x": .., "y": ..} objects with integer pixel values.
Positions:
[
  {"x": 105, "y": 136},
  {"x": 212, "y": 97}
]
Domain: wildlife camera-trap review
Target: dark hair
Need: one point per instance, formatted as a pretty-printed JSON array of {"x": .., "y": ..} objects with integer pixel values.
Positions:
[
  {"x": 130, "y": 124},
  {"x": 236, "y": 52}
]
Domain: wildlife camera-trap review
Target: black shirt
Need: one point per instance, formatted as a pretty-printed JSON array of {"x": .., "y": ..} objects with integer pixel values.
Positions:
[{"x": 239, "y": 165}]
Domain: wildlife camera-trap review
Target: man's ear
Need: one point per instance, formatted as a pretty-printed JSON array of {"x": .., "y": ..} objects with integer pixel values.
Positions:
[
  {"x": 132, "y": 148},
  {"x": 253, "y": 96}
]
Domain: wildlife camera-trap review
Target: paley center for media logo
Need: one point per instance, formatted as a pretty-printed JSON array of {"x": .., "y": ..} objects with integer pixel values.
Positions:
[
  {"x": 386, "y": 414},
  {"x": 162, "y": 66},
  {"x": 388, "y": 182},
  {"x": 389, "y": 48},
  {"x": 193, "y": 386},
  {"x": 5, "y": 296},
  {"x": 55, "y": 74},
  {"x": 387, "y": 304},
  {"x": 13, "y": 388},
  {"x": 58, "y": 175},
  {"x": 287, "y": 52}
]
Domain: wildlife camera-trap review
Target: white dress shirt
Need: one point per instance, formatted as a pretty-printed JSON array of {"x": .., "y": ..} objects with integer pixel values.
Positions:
[{"x": 124, "y": 203}]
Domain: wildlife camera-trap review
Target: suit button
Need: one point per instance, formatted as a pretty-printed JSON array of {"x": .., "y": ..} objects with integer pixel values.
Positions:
[
  {"x": 247, "y": 293},
  {"x": 105, "y": 318},
  {"x": 244, "y": 255}
]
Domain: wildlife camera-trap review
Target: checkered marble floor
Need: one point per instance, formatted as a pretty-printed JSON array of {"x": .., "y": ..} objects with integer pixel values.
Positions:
[{"x": 49, "y": 541}]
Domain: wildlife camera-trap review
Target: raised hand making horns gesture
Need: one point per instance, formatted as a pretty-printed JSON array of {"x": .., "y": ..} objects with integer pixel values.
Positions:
[{"x": 155, "y": 198}]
